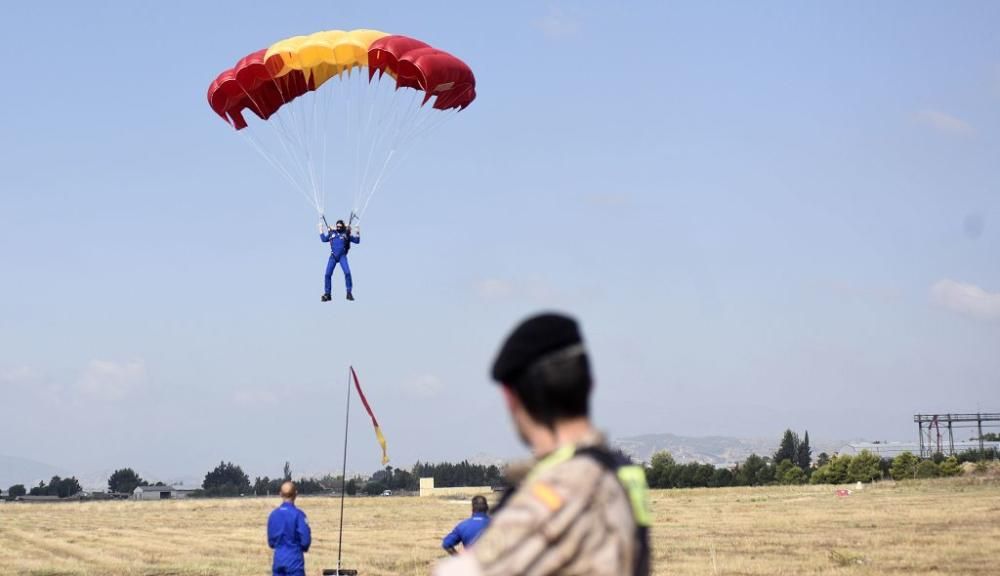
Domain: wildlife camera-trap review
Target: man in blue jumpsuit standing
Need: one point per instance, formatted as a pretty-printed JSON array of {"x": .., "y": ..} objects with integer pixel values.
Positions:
[
  {"x": 469, "y": 529},
  {"x": 340, "y": 239},
  {"x": 289, "y": 535}
]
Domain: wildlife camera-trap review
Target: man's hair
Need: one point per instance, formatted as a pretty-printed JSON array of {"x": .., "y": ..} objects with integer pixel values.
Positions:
[
  {"x": 556, "y": 387},
  {"x": 543, "y": 361},
  {"x": 289, "y": 491},
  {"x": 479, "y": 505}
]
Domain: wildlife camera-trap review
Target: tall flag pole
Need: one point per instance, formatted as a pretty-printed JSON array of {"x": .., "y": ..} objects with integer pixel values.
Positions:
[
  {"x": 343, "y": 473},
  {"x": 378, "y": 429}
]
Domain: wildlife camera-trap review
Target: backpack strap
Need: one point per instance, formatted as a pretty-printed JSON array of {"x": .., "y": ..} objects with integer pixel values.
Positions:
[{"x": 633, "y": 480}]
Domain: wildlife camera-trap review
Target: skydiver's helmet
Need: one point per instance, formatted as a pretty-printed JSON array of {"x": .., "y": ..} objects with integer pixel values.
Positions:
[{"x": 340, "y": 226}]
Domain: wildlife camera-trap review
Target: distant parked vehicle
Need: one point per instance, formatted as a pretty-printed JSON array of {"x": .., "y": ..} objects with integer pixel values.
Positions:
[{"x": 387, "y": 492}]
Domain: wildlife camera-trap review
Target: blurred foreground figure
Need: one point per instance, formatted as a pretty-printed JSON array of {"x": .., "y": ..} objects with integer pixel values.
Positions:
[
  {"x": 468, "y": 530},
  {"x": 288, "y": 534},
  {"x": 581, "y": 508}
]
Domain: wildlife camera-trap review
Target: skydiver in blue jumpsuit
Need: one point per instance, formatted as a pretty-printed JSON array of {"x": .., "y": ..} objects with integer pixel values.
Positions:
[
  {"x": 289, "y": 535},
  {"x": 340, "y": 240}
]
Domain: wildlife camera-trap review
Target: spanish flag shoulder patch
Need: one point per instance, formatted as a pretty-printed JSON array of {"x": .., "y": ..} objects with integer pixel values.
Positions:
[{"x": 547, "y": 496}]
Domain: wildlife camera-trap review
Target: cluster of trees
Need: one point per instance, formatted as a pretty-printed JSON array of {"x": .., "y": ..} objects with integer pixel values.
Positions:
[
  {"x": 447, "y": 474},
  {"x": 124, "y": 481},
  {"x": 228, "y": 479},
  {"x": 16, "y": 490},
  {"x": 792, "y": 463},
  {"x": 61, "y": 487}
]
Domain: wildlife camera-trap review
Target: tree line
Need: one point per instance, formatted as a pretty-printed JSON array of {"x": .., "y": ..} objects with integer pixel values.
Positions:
[
  {"x": 58, "y": 487},
  {"x": 792, "y": 463},
  {"x": 228, "y": 479}
]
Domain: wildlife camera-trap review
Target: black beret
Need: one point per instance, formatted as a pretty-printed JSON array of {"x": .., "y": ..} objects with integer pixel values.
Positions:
[{"x": 532, "y": 339}]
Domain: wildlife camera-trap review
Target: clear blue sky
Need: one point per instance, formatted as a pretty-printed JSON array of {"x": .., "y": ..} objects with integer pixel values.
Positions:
[{"x": 765, "y": 216}]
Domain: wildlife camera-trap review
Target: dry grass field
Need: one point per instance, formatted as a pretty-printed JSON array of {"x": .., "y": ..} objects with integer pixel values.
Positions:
[{"x": 932, "y": 527}]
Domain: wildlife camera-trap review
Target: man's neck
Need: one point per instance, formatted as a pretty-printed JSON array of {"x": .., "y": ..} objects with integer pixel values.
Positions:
[{"x": 570, "y": 431}]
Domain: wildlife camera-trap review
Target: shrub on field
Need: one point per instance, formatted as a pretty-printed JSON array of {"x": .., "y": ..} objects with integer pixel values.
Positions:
[
  {"x": 950, "y": 467},
  {"x": 904, "y": 466},
  {"x": 793, "y": 475},
  {"x": 835, "y": 471},
  {"x": 721, "y": 477},
  {"x": 755, "y": 471},
  {"x": 864, "y": 467},
  {"x": 782, "y": 470},
  {"x": 928, "y": 469}
]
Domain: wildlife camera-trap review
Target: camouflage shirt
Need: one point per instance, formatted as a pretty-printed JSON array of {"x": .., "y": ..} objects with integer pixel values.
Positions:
[{"x": 569, "y": 516}]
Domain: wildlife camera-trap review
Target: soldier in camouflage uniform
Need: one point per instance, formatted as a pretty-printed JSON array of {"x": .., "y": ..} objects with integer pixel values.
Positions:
[{"x": 580, "y": 509}]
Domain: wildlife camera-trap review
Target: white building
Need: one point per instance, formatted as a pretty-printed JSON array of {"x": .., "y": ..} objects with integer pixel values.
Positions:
[{"x": 160, "y": 492}]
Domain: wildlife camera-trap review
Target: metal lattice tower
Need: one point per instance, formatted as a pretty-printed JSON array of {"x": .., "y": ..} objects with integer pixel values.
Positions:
[{"x": 930, "y": 435}]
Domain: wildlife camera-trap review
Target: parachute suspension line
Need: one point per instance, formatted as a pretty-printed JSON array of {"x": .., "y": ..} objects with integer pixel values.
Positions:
[
  {"x": 406, "y": 143},
  {"x": 369, "y": 106},
  {"x": 308, "y": 122},
  {"x": 372, "y": 108},
  {"x": 268, "y": 156},
  {"x": 385, "y": 119},
  {"x": 383, "y": 134},
  {"x": 361, "y": 93},
  {"x": 275, "y": 164},
  {"x": 293, "y": 153},
  {"x": 378, "y": 180},
  {"x": 296, "y": 142},
  {"x": 355, "y": 122},
  {"x": 286, "y": 135},
  {"x": 325, "y": 128},
  {"x": 286, "y": 140}
]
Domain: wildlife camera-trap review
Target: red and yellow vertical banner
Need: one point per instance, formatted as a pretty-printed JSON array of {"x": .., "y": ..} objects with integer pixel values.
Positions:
[{"x": 378, "y": 429}]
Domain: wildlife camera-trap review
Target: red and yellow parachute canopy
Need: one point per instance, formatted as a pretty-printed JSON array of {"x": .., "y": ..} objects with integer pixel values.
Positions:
[{"x": 268, "y": 79}]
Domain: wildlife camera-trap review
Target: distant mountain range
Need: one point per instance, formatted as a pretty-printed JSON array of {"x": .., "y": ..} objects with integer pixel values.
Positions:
[
  {"x": 15, "y": 470},
  {"x": 716, "y": 450}
]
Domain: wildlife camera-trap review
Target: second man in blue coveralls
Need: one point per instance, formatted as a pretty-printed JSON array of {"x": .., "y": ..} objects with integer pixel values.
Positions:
[
  {"x": 468, "y": 530},
  {"x": 289, "y": 535},
  {"x": 340, "y": 239}
]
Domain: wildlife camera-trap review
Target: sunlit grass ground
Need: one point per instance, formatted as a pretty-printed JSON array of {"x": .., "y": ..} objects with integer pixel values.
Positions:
[{"x": 932, "y": 527}]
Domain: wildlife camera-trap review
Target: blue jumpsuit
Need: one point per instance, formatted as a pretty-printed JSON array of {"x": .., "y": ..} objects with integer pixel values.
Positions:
[
  {"x": 467, "y": 531},
  {"x": 338, "y": 254},
  {"x": 288, "y": 533}
]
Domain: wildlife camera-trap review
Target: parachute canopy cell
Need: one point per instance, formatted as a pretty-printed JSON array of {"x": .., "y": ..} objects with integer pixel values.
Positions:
[{"x": 268, "y": 79}]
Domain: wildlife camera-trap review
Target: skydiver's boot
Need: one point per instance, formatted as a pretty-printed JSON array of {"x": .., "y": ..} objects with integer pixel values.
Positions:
[
  {"x": 325, "y": 298},
  {"x": 350, "y": 296}
]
